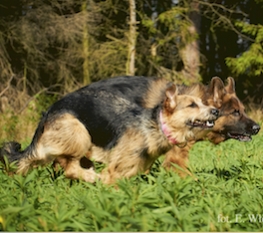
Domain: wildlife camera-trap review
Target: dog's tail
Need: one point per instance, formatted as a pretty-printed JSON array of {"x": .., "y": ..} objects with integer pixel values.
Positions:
[{"x": 13, "y": 153}]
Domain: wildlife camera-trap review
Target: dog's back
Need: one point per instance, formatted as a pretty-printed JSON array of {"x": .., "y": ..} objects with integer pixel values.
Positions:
[{"x": 101, "y": 110}]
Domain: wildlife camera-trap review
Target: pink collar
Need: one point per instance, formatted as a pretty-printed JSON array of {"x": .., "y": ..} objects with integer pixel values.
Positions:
[{"x": 166, "y": 131}]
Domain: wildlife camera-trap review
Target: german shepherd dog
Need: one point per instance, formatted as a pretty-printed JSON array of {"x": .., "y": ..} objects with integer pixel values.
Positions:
[
  {"x": 106, "y": 121},
  {"x": 233, "y": 123}
]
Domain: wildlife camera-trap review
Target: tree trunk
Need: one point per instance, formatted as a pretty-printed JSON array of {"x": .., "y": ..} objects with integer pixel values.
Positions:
[
  {"x": 85, "y": 46},
  {"x": 190, "y": 53},
  {"x": 130, "y": 67}
]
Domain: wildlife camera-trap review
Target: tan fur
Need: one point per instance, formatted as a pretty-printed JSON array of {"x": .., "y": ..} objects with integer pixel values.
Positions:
[
  {"x": 66, "y": 140},
  {"x": 184, "y": 114},
  {"x": 178, "y": 156},
  {"x": 155, "y": 93}
]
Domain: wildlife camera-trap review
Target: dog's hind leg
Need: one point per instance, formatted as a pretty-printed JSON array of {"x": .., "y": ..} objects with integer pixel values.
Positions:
[
  {"x": 73, "y": 170},
  {"x": 66, "y": 139}
]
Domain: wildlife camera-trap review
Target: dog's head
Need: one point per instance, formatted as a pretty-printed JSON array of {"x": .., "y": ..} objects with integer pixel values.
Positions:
[
  {"x": 233, "y": 121},
  {"x": 183, "y": 116}
]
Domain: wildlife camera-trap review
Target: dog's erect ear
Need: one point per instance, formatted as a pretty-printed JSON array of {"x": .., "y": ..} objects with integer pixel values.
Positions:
[
  {"x": 230, "y": 87},
  {"x": 217, "y": 90},
  {"x": 171, "y": 93}
]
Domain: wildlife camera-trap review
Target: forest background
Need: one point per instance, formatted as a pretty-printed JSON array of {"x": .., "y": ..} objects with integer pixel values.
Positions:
[{"x": 51, "y": 47}]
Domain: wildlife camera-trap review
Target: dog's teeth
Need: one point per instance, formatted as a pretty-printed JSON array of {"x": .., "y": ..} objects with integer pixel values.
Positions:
[{"x": 209, "y": 123}]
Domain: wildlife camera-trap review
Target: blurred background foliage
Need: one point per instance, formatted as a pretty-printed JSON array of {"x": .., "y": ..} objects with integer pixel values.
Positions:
[{"x": 51, "y": 47}]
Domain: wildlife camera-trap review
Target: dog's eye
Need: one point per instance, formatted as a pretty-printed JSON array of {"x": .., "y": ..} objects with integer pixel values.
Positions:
[
  {"x": 193, "y": 105},
  {"x": 236, "y": 112}
]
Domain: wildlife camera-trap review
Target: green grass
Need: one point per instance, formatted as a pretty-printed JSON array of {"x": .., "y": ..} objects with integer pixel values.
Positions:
[{"x": 226, "y": 196}]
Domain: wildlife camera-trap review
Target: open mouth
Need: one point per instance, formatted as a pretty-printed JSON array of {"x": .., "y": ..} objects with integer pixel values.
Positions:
[
  {"x": 201, "y": 124},
  {"x": 240, "y": 137}
]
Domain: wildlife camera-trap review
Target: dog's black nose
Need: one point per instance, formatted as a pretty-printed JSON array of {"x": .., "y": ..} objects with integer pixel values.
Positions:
[
  {"x": 215, "y": 112},
  {"x": 255, "y": 129}
]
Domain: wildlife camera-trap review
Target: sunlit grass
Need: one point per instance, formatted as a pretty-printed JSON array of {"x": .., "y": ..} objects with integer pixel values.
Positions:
[{"x": 225, "y": 196}]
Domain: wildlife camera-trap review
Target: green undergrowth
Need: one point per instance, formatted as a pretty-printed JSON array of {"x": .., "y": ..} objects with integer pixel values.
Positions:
[{"x": 226, "y": 195}]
